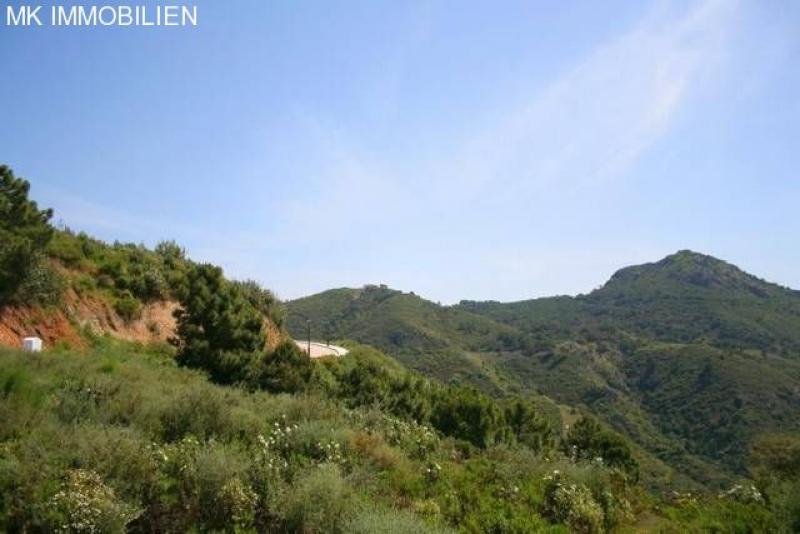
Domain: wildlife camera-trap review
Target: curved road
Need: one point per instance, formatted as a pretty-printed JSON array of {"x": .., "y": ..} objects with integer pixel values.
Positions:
[{"x": 318, "y": 350}]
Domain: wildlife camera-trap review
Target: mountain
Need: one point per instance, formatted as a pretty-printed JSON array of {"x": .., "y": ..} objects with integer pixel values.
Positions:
[
  {"x": 690, "y": 357},
  {"x": 445, "y": 342}
]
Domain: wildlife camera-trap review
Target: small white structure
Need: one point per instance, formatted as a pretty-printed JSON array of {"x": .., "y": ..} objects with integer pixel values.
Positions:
[{"x": 32, "y": 344}]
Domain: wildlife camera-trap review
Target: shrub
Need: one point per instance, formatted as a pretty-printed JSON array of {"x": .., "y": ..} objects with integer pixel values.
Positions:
[
  {"x": 382, "y": 521},
  {"x": 85, "y": 504},
  {"x": 120, "y": 456},
  {"x": 42, "y": 285},
  {"x": 589, "y": 441},
  {"x": 67, "y": 248},
  {"x": 287, "y": 369},
  {"x": 148, "y": 282},
  {"x": 199, "y": 412},
  {"x": 291, "y": 446},
  {"x": 237, "y": 503},
  {"x": 528, "y": 427},
  {"x": 418, "y": 441},
  {"x": 572, "y": 504},
  {"x": 84, "y": 284},
  {"x": 321, "y": 502},
  {"x": 374, "y": 448},
  {"x": 210, "y": 484},
  {"x": 466, "y": 414},
  {"x": 128, "y": 307},
  {"x": 262, "y": 300}
]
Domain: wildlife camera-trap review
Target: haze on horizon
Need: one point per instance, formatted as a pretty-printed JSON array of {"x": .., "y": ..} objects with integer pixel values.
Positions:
[{"x": 482, "y": 150}]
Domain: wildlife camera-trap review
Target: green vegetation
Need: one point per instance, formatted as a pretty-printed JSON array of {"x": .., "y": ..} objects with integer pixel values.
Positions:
[
  {"x": 586, "y": 439},
  {"x": 122, "y": 438},
  {"x": 218, "y": 329},
  {"x": 222, "y": 333},
  {"x": 126, "y": 274},
  {"x": 438, "y": 341},
  {"x": 690, "y": 358},
  {"x": 519, "y": 422},
  {"x": 24, "y": 233}
]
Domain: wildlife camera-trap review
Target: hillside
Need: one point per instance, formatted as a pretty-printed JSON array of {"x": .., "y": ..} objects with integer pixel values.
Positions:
[
  {"x": 229, "y": 427},
  {"x": 685, "y": 297},
  {"x": 690, "y": 357},
  {"x": 92, "y": 288},
  {"x": 77, "y": 314},
  {"x": 117, "y": 438},
  {"x": 447, "y": 343}
]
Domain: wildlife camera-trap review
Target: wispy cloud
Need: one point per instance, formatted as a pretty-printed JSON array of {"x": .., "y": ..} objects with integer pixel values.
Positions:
[
  {"x": 589, "y": 125},
  {"x": 582, "y": 130},
  {"x": 598, "y": 118}
]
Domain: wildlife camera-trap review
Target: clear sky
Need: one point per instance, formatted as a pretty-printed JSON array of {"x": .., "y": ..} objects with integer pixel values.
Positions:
[{"x": 480, "y": 150}]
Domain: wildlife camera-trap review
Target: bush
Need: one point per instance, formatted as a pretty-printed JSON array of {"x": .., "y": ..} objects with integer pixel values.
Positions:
[
  {"x": 85, "y": 504},
  {"x": 589, "y": 441},
  {"x": 572, "y": 504},
  {"x": 262, "y": 300},
  {"x": 528, "y": 427},
  {"x": 128, "y": 307},
  {"x": 236, "y": 503},
  {"x": 287, "y": 369},
  {"x": 211, "y": 484},
  {"x": 148, "y": 282},
  {"x": 199, "y": 412},
  {"x": 43, "y": 285},
  {"x": 84, "y": 284},
  {"x": 381, "y": 521},
  {"x": 66, "y": 248},
  {"x": 466, "y": 414},
  {"x": 321, "y": 502}
]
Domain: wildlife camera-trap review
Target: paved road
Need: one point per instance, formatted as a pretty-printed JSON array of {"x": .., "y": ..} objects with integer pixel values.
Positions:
[{"x": 318, "y": 350}]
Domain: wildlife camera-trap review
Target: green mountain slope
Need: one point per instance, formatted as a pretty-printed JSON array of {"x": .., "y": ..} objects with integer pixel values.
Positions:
[
  {"x": 686, "y": 297},
  {"x": 690, "y": 357},
  {"x": 444, "y": 342}
]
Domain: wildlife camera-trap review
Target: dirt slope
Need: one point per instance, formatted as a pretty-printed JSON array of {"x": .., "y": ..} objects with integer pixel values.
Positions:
[
  {"x": 87, "y": 312},
  {"x": 64, "y": 324}
]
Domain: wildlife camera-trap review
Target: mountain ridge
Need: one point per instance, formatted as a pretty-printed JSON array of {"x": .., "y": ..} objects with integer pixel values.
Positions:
[{"x": 689, "y": 356}]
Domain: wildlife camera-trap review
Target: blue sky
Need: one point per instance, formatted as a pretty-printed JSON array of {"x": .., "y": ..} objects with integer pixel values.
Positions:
[{"x": 480, "y": 150}]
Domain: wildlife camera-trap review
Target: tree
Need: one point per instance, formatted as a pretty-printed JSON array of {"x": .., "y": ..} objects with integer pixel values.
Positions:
[
  {"x": 528, "y": 426},
  {"x": 467, "y": 414},
  {"x": 218, "y": 329},
  {"x": 262, "y": 300},
  {"x": 24, "y": 232},
  {"x": 588, "y": 440},
  {"x": 287, "y": 369}
]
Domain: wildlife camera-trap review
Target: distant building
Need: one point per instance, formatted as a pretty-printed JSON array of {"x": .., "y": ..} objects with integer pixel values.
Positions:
[{"x": 32, "y": 344}]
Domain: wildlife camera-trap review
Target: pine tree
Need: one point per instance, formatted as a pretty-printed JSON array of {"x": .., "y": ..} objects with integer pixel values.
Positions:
[
  {"x": 218, "y": 329},
  {"x": 25, "y": 231}
]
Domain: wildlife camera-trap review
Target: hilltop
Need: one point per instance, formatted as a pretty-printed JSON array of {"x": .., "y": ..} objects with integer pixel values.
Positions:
[
  {"x": 689, "y": 356},
  {"x": 444, "y": 342}
]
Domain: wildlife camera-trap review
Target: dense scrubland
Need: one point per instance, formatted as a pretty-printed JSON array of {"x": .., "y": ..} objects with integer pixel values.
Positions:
[
  {"x": 122, "y": 438},
  {"x": 690, "y": 358},
  {"x": 229, "y": 427}
]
